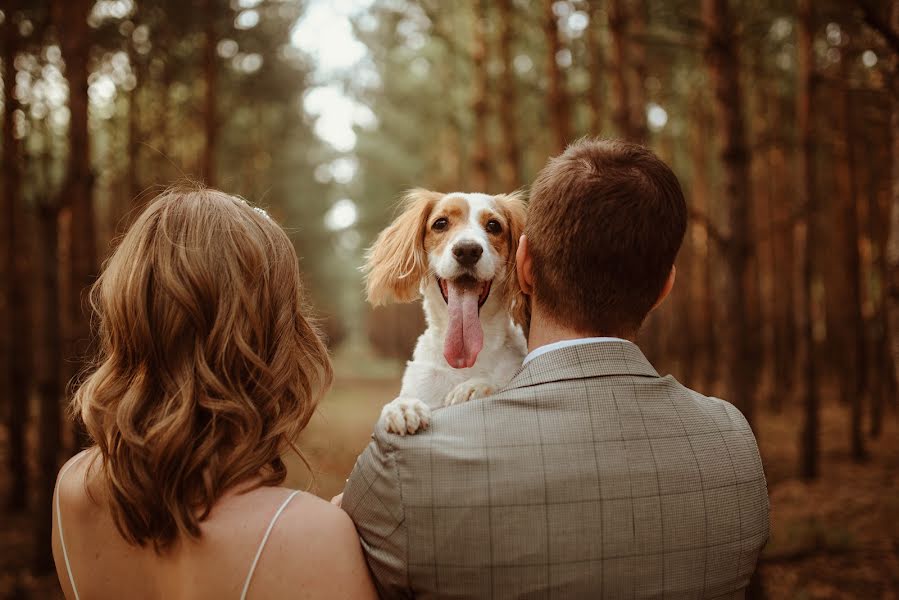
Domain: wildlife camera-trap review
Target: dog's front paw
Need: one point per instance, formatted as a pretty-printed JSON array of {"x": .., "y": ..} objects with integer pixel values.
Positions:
[
  {"x": 469, "y": 390},
  {"x": 405, "y": 415}
]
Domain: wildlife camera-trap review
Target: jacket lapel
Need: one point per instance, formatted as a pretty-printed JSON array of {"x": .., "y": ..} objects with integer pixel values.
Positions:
[{"x": 584, "y": 361}]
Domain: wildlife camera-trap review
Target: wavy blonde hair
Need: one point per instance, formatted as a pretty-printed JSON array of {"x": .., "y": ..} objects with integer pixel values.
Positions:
[{"x": 207, "y": 368}]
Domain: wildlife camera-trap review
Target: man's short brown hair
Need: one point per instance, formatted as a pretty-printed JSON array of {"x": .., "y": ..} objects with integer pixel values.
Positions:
[{"x": 605, "y": 222}]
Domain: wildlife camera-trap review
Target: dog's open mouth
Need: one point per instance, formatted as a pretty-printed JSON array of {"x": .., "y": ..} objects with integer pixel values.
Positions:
[
  {"x": 467, "y": 282},
  {"x": 464, "y": 297}
]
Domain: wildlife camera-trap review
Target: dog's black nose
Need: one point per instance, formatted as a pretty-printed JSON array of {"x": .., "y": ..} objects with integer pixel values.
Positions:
[{"x": 468, "y": 253}]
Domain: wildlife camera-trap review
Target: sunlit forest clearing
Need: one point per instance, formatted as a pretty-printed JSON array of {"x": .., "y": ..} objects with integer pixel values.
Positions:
[{"x": 780, "y": 118}]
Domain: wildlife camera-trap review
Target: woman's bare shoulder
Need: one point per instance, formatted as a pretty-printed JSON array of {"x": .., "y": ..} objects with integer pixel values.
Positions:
[
  {"x": 71, "y": 481},
  {"x": 314, "y": 546}
]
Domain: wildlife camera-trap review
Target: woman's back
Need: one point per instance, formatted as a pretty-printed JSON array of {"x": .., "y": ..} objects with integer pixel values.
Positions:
[{"x": 311, "y": 551}]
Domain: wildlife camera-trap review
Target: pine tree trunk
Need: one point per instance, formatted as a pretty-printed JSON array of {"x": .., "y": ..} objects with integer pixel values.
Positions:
[
  {"x": 639, "y": 71},
  {"x": 557, "y": 96},
  {"x": 510, "y": 167},
  {"x": 16, "y": 318},
  {"x": 480, "y": 153},
  {"x": 595, "y": 65},
  {"x": 704, "y": 273},
  {"x": 737, "y": 284},
  {"x": 133, "y": 144},
  {"x": 79, "y": 183},
  {"x": 765, "y": 132},
  {"x": 805, "y": 92},
  {"x": 783, "y": 260},
  {"x": 49, "y": 384},
  {"x": 139, "y": 65},
  {"x": 618, "y": 66},
  {"x": 892, "y": 274},
  {"x": 883, "y": 217},
  {"x": 210, "y": 111},
  {"x": 855, "y": 323}
]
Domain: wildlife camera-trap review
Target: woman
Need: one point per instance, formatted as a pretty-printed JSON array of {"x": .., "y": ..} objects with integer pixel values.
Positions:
[{"x": 208, "y": 370}]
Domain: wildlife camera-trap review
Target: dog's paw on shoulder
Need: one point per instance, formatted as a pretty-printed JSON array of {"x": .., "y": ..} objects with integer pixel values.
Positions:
[
  {"x": 469, "y": 390},
  {"x": 405, "y": 416}
]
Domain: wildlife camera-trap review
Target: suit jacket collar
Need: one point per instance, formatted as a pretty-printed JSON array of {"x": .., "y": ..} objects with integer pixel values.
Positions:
[{"x": 584, "y": 361}]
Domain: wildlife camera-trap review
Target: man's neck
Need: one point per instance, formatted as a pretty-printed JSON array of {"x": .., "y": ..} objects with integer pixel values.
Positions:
[{"x": 547, "y": 331}]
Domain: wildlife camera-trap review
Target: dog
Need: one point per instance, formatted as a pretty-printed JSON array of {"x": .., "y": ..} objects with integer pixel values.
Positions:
[{"x": 457, "y": 251}]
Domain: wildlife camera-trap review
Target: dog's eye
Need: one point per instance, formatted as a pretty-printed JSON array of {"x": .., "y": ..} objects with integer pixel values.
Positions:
[
  {"x": 493, "y": 226},
  {"x": 440, "y": 224}
]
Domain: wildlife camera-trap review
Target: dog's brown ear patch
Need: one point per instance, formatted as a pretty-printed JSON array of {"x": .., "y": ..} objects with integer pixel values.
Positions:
[
  {"x": 514, "y": 209},
  {"x": 397, "y": 261}
]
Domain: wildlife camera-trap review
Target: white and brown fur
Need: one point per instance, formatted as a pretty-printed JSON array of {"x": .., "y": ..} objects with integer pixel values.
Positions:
[{"x": 405, "y": 262}]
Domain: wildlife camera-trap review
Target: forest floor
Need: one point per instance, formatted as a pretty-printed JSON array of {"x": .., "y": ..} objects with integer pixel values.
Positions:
[{"x": 837, "y": 537}]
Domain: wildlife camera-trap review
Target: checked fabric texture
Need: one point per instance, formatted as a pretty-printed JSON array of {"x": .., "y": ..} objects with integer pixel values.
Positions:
[{"x": 589, "y": 476}]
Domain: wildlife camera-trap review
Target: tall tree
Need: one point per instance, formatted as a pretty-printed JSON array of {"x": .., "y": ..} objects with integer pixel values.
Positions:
[
  {"x": 737, "y": 283},
  {"x": 15, "y": 265},
  {"x": 210, "y": 95},
  {"x": 71, "y": 17},
  {"x": 805, "y": 91},
  {"x": 480, "y": 153},
  {"x": 892, "y": 250},
  {"x": 618, "y": 58},
  {"x": 639, "y": 71},
  {"x": 49, "y": 385},
  {"x": 595, "y": 65},
  {"x": 139, "y": 67},
  {"x": 853, "y": 323},
  {"x": 557, "y": 95},
  {"x": 510, "y": 166},
  {"x": 705, "y": 372},
  {"x": 884, "y": 225},
  {"x": 783, "y": 260}
]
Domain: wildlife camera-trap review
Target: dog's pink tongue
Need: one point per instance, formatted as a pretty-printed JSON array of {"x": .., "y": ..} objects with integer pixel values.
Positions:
[{"x": 464, "y": 337}]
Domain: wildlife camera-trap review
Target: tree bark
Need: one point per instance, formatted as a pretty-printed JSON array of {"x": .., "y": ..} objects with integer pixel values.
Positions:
[
  {"x": 707, "y": 367},
  {"x": 617, "y": 65},
  {"x": 556, "y": 96},
  {"x": 80, "y": 181},
  {"x": 639, "y": 71},
  {"x": 854, "y": 323},
  {"x": 737, "y": 285},
  {"x": 595, "y": 65},
  {"x": 49, "y": 384},
  {"x": 805, "y": 92},
  {"x": 15, "y": 265},
  {"x": 480, "y": 153},
  {"x": 782, "y": 259},
  {"x": 139, "y": 67},
  {"x": 510, "y": 167},
  {"x": 892, "y": 254},
  {"x": 210, "y": 110}
]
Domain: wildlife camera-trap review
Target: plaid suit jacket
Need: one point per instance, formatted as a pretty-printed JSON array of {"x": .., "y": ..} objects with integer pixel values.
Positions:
[{"x": 589, "y": 476}]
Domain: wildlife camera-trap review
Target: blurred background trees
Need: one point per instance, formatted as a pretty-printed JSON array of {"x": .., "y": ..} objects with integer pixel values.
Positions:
[{"x": 779, "y": 117}]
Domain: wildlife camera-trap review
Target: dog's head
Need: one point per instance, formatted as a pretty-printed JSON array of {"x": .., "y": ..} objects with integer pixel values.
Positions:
[{"x": 461, "y": 246}]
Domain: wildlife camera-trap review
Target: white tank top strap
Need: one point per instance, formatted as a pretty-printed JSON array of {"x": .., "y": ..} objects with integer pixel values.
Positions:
[
  {"x": 268, "y": 532},
  {"x": 62, "y": 542}
]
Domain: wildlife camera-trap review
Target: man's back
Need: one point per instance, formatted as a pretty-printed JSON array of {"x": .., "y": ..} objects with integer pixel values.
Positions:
[{"x": 589, "y": 476}]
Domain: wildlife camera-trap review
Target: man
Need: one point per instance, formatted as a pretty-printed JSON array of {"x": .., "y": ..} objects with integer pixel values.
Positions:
[{"x": 589, "y": 476}]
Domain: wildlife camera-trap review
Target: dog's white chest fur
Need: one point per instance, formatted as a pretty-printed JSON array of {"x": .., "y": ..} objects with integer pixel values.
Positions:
[
  {"x": 430, "y": 383},
  {"x": 431, "y": 379}
]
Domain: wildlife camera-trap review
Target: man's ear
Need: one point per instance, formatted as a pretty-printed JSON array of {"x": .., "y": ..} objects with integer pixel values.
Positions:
[
  {"x": 514, "y": 210},
  {"x": 666, "y": 289},
  {"x": 397, "y": 261},
  {"x": 524, "y": 266}
]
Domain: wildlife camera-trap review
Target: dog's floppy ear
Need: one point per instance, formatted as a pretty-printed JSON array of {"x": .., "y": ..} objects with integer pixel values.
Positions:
[
  {"x": 396, "y": 263},
  {"x": 514, "y": 210}
]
